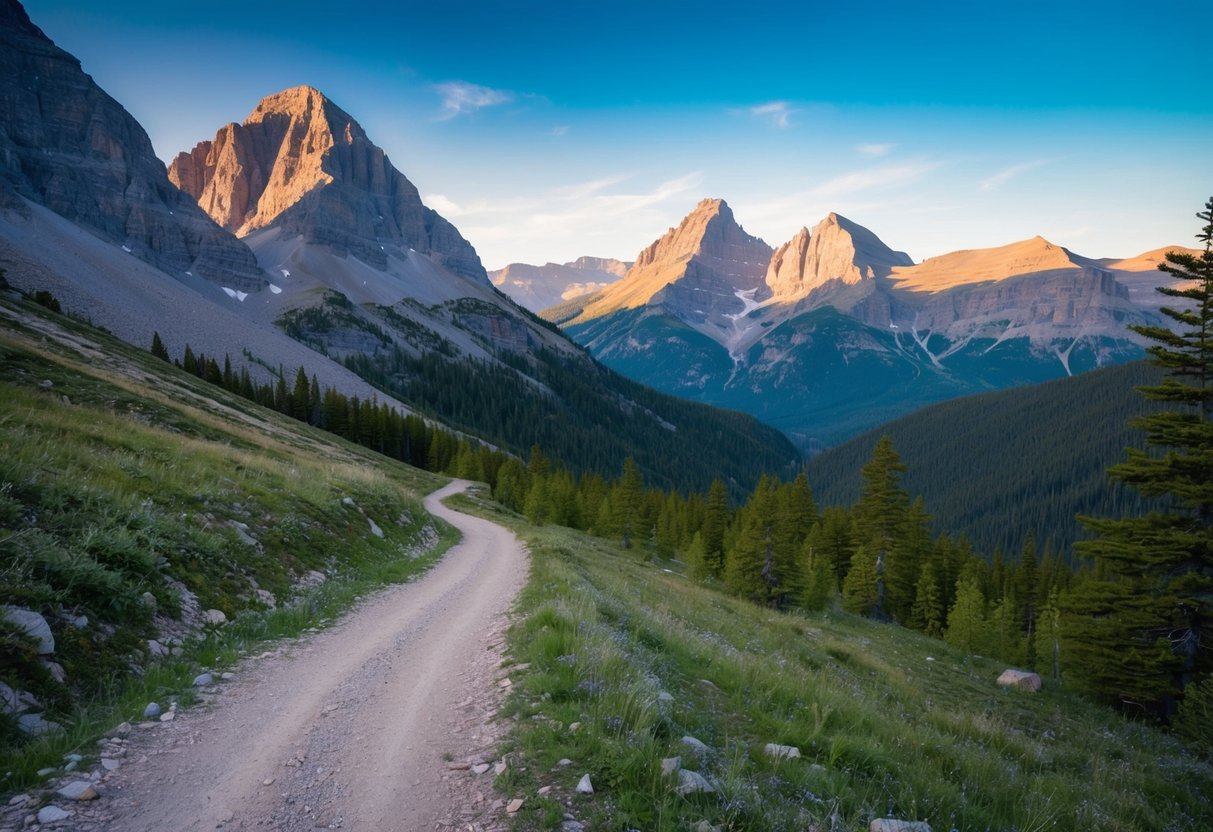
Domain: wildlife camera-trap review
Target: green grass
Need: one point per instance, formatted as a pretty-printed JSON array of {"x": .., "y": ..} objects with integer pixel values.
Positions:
[
  {"x": 884, "y": 732},
  {"x": 129, "y": 491}
]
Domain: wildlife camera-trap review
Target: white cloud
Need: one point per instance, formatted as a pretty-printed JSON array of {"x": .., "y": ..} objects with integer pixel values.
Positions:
[
  {"x": 993, "y": 183},
  {"x": 459, "y": 97},
  {"x": 885, "y": 176},
  {"x": 560, "y": 130},
  {"x": 874, "y": 149},
  {"x": 442, "y": 205},
  {"x": 777, "y": 112},
  {"x": 589, "y": 214}
]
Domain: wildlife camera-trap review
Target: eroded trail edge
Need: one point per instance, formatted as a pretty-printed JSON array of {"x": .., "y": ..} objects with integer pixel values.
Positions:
[{"x": 351, "y": 728}]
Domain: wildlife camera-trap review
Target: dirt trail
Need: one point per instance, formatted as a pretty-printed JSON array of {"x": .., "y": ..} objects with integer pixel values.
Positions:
[{"x": 352, "y": 728}]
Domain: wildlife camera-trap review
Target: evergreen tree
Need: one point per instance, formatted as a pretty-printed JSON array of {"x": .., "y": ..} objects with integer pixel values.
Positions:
[
  {"x": 819, "y": 586},
  {"x": 628, "y": 501},
  {"x": 1157, "y": 593},
  {"x": 967, "y": 618},
  {"x": 860, "y": 591},
  {"x": 929, "y": 612},
  {"x": 880, "y": 519},
  {"x": 715, "y": 520},
  {"x": 188, "y": 362},
  {"x": 158, "y": 349},
  {"x": 1005, "y": 638},
  {"x": 1046, "y": 637},
  {"x": 696, "y": 559}
]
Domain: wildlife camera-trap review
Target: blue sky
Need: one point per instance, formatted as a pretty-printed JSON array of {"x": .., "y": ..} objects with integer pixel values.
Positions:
[{"x": 545, "y": 131}]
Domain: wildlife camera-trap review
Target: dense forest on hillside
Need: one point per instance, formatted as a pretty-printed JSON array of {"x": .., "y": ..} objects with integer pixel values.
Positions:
[
  {"x": 1001, "y": 466},
  {"x": 585, "y": 417}
]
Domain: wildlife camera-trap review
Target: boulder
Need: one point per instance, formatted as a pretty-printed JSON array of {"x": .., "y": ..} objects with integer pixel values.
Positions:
[
  {"x": 33, "y": 625},
  {"x": 584, "y": 786},
  {"x": 214, "y": 618},
  {"x": 1021, "y": 679},
  {"x": 891, "y": 825},
  {"x": 52, "y": 813},
  {"x": 782, "y": 752},
  {"x": 692, "y": 782}
]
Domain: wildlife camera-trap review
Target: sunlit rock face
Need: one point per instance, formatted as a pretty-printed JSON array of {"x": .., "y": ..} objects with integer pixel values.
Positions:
[
  {"x": 66, "y": 144},
  {"x": 301, "y": 165}
]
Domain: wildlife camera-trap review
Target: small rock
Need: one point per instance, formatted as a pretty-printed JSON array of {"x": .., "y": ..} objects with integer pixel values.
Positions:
[
  {"x": 543, "y": 791},
  {"x": 78, "y": 790},
  {"x": 782, "y": 752},
  {"x": 458, "y": 766},
  {"x": 266, "y": 597},
  {"x": 670, "y": 765},
  {"x": 155, "y": 648},
  {"x": 695, "y": 745},
  {"x": 563, "y": 761},
  {"x": 214, "y": 618},
  {"x": 110, "y": 763},
  {"x": 505, "y": 683},
  {"x": 500, "y": 768},
  {"x": 571, "y": 826},
  {"x": 18, "y": 800},
  {"x": 78, "y": 621},
  {"x": 148, "y": 600},
  {"x": 203, "y": 679},
  {"x": 692, "y": 782},
  {"x": 481, "y": 768},
  {"x": 348, "y": 502},
  {"x": 704, "y": 826},
  {"x": 152, "y": 710},
  {"x": 665, "y": 696},
  {"x": 891, "y": 825},
  {"x": 227, "y": 677},
  {"x": 71, "y": 766},
  {"x": 33, "y": 625},
  {"x": 46, "y": 772},
  {"x": 574, "y": 727},
  {"x": 56, "y": 670},
  {"x": 33, "y": 725},
  {"x": 584, "y": 786},
  {"x": 269, "y": 781},
  {"x": 375, "y": 530},
  {"x": 52, "y": 813},
  {"x": 169, "y": 717},
  {"x": 1020, "y": 679},
  {"x": 46, "y": 384},
  {"x": 513, "y": 806}
]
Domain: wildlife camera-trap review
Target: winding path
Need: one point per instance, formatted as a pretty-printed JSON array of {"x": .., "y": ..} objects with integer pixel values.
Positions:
[{"x": 350, "y": 728}]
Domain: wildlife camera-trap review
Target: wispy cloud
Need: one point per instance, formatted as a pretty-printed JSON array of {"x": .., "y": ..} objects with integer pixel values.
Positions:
[
  {"x": 578, "y": 213},
  {"x": 884, "y": 176},
  {"x": 874, "y": 149},
  {"x": 459, "y": 97},
  {"x": 993, "y": 183},
  {"x": 560, "y": 130},
  {"x": 778, "y": 113}
]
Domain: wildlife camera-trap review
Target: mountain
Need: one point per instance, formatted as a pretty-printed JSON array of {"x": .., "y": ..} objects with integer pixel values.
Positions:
[
  {"x": 538, "y": 287},
  {"x": 340, "y": 270},
  {"x": 999, "y": 466},
  {"x": 836, "y": 332},
  {"x": 299, "y": 165},
  {"x": 67, "y": 145}
]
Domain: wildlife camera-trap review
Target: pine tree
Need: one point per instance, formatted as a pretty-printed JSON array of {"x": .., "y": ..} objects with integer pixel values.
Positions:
[
  {"x": 1046, "y": 637},
  {"x": 819, "y": 586},
  {"x": 833, "y": 537},
  {"x": 628, "y": 501},
  {"x": 880, "y": 519},
  {"x": 929, "y": 612},
  {"x": 158, "y": 349},
  {"x": 860, "y": 590},
  {"x": 967, "y": 618},
  {"x": 716, "y": 518},
  {"x": 1144, "y": 629}
]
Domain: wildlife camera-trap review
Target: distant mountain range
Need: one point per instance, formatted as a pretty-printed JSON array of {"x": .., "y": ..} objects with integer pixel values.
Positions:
[
  {"x": 538, "y": 287},
  {"x": 291, "y": 240},
  {"x": 833, "y": 332}
]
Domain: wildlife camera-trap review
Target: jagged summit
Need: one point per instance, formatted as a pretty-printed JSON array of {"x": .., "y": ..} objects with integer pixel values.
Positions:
[
  {"x": 67, "y": 145},
  {"x": 301, "y": 165},
  {"x": 694, "y": 270},
  {"x": 836, "y": 249}
]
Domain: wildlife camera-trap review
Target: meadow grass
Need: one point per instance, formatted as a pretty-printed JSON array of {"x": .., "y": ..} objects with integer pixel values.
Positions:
[
  {"x": 890, "y": 723},
  {"x": 130, "y": 491}
]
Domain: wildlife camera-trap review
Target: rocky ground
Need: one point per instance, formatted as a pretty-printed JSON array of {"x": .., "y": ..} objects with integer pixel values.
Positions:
[{"x": 385, "y": 721}]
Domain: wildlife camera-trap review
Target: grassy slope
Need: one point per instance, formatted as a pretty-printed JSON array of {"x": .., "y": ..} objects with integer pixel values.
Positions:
[
  {"x": 120, "y": 476},
  {"x": 884, "y": 731}
]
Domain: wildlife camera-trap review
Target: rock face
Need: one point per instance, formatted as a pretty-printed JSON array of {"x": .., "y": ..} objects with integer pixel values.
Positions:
[
  {"x": 301, "y": 164},
  {"x": 694, "y": 272},
  {"x": 835, "y": 250},
  {"x": 66, "y": 144},
  {"x": 539, "y": 287}
]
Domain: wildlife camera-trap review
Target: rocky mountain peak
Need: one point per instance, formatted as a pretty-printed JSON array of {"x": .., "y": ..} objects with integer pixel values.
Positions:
[
  {"x": 301, "y": 165},
  {"x": 836, "y": 249}
]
